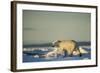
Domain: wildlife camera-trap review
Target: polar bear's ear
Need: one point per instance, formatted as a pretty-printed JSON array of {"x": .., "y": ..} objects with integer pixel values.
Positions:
[{"x": 59, "y": 41}]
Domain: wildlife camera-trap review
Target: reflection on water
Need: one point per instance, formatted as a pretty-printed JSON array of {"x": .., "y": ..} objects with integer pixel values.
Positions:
[{"x": 36, "y": 54}]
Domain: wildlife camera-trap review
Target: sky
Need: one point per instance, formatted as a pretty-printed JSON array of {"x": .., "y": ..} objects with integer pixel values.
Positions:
[{"x": 48, "y": 26}]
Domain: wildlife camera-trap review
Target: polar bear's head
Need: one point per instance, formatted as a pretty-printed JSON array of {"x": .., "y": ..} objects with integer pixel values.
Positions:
[{"x": 56, "y": 43}]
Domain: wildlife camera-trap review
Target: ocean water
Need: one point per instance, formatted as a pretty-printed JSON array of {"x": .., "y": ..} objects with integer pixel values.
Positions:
[{"x": 35, "y": 54}]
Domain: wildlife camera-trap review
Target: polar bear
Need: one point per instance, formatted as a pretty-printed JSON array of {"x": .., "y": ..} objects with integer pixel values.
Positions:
[{"x": 66, "y": 46}]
